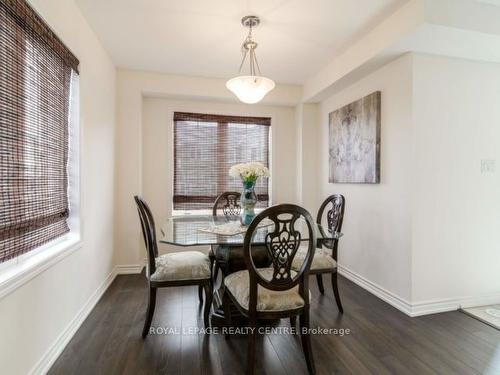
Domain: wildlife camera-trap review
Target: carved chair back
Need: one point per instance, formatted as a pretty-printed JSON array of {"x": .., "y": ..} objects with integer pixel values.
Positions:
[
  {"x": 229, "y": 203},
  {"x": 335, "y": 205},
  {"x": 282, "y": 242},
  {"x": 148, "y": 232}
]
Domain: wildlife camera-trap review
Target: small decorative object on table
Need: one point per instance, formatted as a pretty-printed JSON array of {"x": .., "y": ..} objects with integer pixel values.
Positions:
[{"x": 249, "y": 174}]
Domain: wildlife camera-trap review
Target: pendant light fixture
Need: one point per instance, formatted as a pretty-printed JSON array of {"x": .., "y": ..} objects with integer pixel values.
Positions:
[{"x": 250, "y": 88}]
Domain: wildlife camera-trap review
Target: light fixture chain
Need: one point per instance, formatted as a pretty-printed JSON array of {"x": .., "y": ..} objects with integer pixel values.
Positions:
[
  {"x": 252, "y": 58},
  {"x": 243, "y": 60},
  {"x": 257, "y": 64}
]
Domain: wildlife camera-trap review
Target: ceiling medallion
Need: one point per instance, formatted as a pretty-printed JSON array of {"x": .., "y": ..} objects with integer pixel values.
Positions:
[{"x": 253, "y": 87}]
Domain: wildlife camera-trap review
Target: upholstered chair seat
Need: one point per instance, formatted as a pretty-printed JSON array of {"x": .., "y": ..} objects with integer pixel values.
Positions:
[
  {"x": 186, "y": 265},
  {"x": 276, "y": 291},
  {"x": 174, "y": 269},
  {"x": 238, "y": 284},
  {"x": 322, "y": 259}
]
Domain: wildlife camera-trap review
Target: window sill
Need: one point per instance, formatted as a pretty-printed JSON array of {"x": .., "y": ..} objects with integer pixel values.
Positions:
[
  {"x": 16, "y": 272},
  {"x": 191, "y": 212},
  {"x": 176, "y": 213}
]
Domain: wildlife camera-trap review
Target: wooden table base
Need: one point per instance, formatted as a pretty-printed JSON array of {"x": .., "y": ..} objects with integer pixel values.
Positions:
[
  {"x": 217, "y": 317},
  {"x": 230, "y": 259}
]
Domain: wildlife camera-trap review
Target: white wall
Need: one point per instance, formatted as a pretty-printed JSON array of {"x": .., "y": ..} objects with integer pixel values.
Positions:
[
  {"x": 377, "y": 242},
  {"x": 456, "y": 252},
  {"x": 193, "y": 92},
  {"x": 425, "y": 238},
  {"x": 157, "y": 148},
  {"x": 35, "y": 315},
  {"x": 307, "y": 119}
]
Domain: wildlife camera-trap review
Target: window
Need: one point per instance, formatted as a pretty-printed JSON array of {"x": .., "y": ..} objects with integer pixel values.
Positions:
[
  {"x": 206, "y": 146},
  {"x": 38, "y": 80}
]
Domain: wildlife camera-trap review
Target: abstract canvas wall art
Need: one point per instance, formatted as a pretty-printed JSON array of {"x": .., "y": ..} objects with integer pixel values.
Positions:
[{"x": 354, "y": 136}]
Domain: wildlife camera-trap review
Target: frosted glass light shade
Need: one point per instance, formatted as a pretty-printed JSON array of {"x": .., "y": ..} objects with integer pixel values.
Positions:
[{"x": 250, "y": 89}]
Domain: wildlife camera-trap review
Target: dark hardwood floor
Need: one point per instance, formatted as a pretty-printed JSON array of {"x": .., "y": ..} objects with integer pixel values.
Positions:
[{"x": 381, "y": 341}]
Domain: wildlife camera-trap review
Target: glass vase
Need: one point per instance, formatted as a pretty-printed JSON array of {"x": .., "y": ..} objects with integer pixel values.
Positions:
[{"x": 248, "y": 201}]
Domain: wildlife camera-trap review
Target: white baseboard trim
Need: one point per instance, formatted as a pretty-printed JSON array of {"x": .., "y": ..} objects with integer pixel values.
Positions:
[
  {"x": 51, "y": 355},
  {"x": 382, "y": 293},
  {"x": 128, "y": 269},
  {"x": 452, "y": 304},
  {"x": 418, "y": 308},
  {"x": 484, "y": 300}
]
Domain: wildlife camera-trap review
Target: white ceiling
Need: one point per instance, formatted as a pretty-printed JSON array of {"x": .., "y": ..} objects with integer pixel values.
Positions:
[{"x": 203, "y": 37}]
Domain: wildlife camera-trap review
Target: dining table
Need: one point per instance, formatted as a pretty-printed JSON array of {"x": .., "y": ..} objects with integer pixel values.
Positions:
[{"x": 224, "y": 237}]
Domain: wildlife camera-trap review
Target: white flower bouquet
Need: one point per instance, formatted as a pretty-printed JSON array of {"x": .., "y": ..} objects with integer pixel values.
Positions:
[{"x": 249, "y": 172}]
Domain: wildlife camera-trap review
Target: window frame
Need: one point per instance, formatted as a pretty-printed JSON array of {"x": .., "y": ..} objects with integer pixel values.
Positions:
[
  {"x": 176, "y": 213},
  {"x": 17, "y": 271}
]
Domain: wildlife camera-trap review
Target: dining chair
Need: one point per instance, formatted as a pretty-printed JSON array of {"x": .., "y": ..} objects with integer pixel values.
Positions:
[
  {"x": 229, "y": 203},
  {"x": 277, "y": 291},
  {"x": 171, "y": 269},
  {"x": 325, "y": 261}
]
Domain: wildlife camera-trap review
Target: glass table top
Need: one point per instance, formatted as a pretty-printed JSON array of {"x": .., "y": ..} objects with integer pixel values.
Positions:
[{"x": 195, "y": 230}]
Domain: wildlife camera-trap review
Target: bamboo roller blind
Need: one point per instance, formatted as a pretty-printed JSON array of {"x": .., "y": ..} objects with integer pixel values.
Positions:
[
  {"x": 36, "y": 72},
  {"x": 206, "y": 146}
]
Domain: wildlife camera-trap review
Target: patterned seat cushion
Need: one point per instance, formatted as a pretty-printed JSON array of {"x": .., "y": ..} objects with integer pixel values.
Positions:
[
  {"x": 186, "y": 265},
  {"x": 322, "y": 259},
  {"x": 238, "y": 284}
]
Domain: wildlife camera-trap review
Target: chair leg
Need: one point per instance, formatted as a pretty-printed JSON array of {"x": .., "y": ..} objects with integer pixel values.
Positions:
[
  {"x": 227, "y": 313},
  {"x": 215, "y": 271},
  {"x": 150, "y": 312},
  {"x": 252, "y": 325},
  {"x": 293, "y": 321},
  {"x": 336, "y": 292},
  {"x": 319, "y": 279},
  {"x": 200, "y": 294},
  {"x": 213, "y": 265},
  {"x": 208, "y": 304},
  {"x": 306, "y": 341}
]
